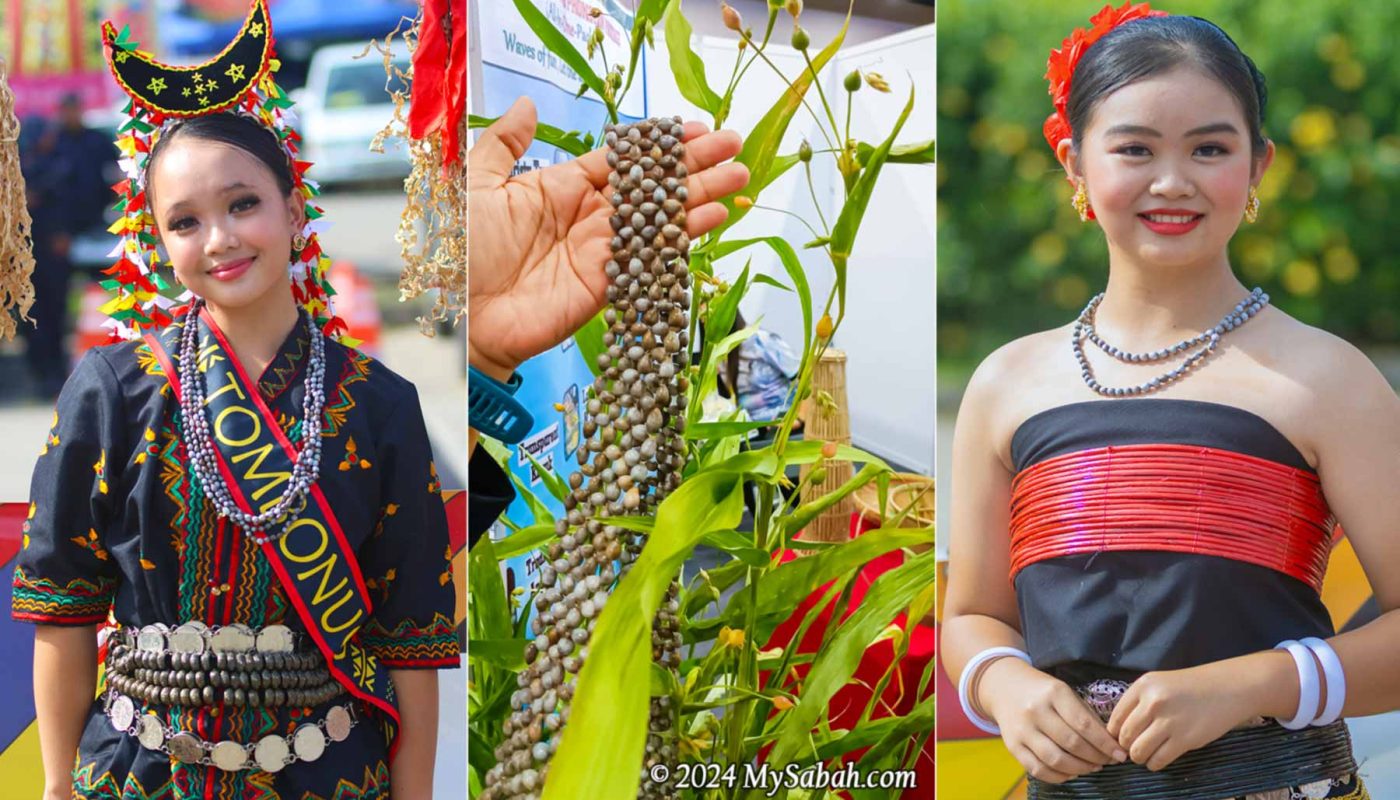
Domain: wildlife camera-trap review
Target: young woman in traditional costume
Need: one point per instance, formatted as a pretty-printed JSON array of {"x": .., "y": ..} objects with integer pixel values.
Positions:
[
  {"x": 1144, "y": 500},
  {"x": 250, "y": 503}
]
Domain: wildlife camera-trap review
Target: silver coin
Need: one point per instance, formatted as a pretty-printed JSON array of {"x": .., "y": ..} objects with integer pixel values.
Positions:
[
  {"x": 187, "y": 639},
  {"x": 122, "y": 713},
  {"x": 149, "y": 732},
  {"x": 276, "y": 639},
  {"x": 308, "y": 743},
  {"x": 150, "y": 639},
  {"x": 338, "y": 723},
  {"x": 185, "y": 748},
  {"x": 271, "y": 753},
  {"x": 229, "y": 756},
  {"x": 233, "y": 639}
]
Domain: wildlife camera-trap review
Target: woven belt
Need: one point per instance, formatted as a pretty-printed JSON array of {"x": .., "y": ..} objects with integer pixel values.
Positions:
[
  {"x": 269, "y": 754},
  {"x": 1257, "y": 758}
]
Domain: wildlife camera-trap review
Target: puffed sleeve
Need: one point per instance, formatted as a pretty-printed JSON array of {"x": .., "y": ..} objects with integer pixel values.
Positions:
[
  {"x": 64, "y": 574},
  {"x": 407, "y": 561}
]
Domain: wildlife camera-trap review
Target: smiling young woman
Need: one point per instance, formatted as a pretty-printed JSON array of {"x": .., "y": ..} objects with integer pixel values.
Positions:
[
  {"x": 1160, "y": 478},
  {"x": 246, "y": 504}
]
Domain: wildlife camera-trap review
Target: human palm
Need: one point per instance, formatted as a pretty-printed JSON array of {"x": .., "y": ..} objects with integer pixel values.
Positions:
[{"x": 539, "y": 240}]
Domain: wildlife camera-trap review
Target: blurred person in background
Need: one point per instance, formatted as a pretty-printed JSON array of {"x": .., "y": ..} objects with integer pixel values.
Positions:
[{"x": 67, "y": 191}]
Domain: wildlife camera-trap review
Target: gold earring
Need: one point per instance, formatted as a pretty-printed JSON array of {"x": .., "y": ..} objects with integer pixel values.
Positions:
[
  {"x": 1251, "y": 207},
  {"x": 298, "y": 242},
  {"x": 1080, "y": 201}
]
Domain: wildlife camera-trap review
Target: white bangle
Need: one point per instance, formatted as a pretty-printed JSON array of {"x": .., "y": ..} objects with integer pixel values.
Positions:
[
  {"x": 1308, "y": 685},
  {"x": 1336, "y": 679},
  {"x": 970, "y": 671}
]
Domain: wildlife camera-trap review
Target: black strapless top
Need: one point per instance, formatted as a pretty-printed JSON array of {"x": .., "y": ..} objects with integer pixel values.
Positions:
[{"x": 1118, "y": 614}]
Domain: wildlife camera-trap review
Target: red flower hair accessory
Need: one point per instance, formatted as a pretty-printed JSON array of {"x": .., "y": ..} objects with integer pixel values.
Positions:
[{"x": 1059, "y": 71}]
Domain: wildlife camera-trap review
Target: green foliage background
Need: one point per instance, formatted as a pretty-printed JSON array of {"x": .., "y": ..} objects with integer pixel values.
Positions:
[{"x": 1014, "y": 257}]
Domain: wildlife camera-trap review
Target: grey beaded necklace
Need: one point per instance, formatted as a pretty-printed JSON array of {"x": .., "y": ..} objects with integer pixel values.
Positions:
[
  {"x": 1206, "y": 341},
  {"x": 199, "y": 444}
]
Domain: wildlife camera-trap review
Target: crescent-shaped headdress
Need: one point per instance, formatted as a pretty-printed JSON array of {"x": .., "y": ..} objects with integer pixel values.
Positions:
[{"x": 239, "y": 80}]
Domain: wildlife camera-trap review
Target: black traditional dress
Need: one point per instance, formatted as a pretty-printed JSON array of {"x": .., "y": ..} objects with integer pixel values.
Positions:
[
  {"x": 1157, "y": 534},
  {"x": 119, "y": 525}
]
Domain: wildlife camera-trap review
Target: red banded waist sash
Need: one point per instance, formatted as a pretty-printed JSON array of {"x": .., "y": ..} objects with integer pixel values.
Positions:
[{"x": 1172, "y": 498}]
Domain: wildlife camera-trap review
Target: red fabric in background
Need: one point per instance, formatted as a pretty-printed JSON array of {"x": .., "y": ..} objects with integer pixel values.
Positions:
[
  {"x": 849, "y": 701},
  {"x": 439, "y": 92}
]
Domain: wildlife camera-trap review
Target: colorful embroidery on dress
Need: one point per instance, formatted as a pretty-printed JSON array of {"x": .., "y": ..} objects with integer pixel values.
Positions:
[
  {"x": 409, "y": 645},
  {"x": 76, "y": 602}
]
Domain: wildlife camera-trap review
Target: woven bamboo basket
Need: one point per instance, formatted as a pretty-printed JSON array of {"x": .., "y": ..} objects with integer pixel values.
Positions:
[
  {"x": 828, "y": 422},
  {"x": 906, "y": 489}
]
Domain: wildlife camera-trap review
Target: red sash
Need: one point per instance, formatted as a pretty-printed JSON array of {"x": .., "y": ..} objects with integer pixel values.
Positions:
[{"x": 313, "y": 560}]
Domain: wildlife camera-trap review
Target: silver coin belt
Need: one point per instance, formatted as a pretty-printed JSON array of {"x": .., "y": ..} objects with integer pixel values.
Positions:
[
  {"x": 199, "y": 442},
  {"x": 271, "y": 753},
  {"x": 631, "y": 461},
  {"x": 1207, "y": 343}
]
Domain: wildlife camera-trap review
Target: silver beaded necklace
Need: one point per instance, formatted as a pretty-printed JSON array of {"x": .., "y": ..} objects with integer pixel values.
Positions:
[
  {"x": 306, "y": 467},
  {"x": 1206, "y": 341}
]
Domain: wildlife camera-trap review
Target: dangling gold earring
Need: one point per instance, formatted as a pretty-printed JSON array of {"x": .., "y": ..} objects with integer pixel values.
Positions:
[
  {"x": 298, "y": 242},
  {"x": 1080, "y": 201},
  {"x": 1251, "y": 207}
]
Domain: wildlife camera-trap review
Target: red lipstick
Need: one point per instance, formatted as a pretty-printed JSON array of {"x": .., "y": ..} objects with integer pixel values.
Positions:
[
  {"x": 1171, "y": 221},
  {"x": 230, "y": 270}
]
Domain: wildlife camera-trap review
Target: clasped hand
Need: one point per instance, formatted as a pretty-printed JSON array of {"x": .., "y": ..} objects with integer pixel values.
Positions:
[{"x": 1056, "y": 737}]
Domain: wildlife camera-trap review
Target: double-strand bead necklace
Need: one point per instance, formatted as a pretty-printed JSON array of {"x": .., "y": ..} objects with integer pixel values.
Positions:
[
  {"x": 1206, "y": 341},
  {"x": 199, "y": 443}
]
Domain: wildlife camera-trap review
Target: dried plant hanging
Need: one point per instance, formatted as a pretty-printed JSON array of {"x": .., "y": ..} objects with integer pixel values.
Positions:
[
  {"x": 16, "y": 258},
  {"x": 433, "y": 229}
]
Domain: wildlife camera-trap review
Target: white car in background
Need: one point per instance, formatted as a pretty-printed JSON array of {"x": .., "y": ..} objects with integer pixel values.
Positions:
[{"x": 342, "y": 107}]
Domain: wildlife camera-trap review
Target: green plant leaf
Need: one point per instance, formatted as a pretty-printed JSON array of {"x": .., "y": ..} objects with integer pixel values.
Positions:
[
  {"x": 719, "y": 322},
  {"x": 764, "y": 462},
  {"x": 913, "y": 153},
  {"x": 505, "y": 653},
  {"x": 783, "y": 589},
  {"x": 559, "y": 45},
  {"x": 918, "y": 721},
  {"x": 687, "y": 67},
  {"x": 715, "y": 430},
  {"x": 725, "y": 310},
  {"x": 833, "y": 668},
  {"x": 709, "y": 371},
  {"x": 760, "y": 149},
  {"x": 805, "y": 513},
  {"x": 764, "y": 277},
  {"x": 589, "y": 339},
  {"x": 843, "y": 233},
  {"x": 647, "y": 13},
  {"x": 568, "y": 141},
  {"x": 529, "y": 538},
  {"x": 552, "y": 482},
  {"x": 638, "y": 524},
  {"x": 738, "y": 545},
  {"x": 721, "y": 577},
  {"x": 775, "y": 170},
  {"x": 490, "y": 612},
  {"x": 611, "y": 692},
  {"x": 792, "y": 265}
]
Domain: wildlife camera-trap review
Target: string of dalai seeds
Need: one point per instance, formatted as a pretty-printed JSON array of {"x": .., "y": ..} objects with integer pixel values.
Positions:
[
  {"x": 16, "y": 257},
  {"x": 631, "y": 461}
]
